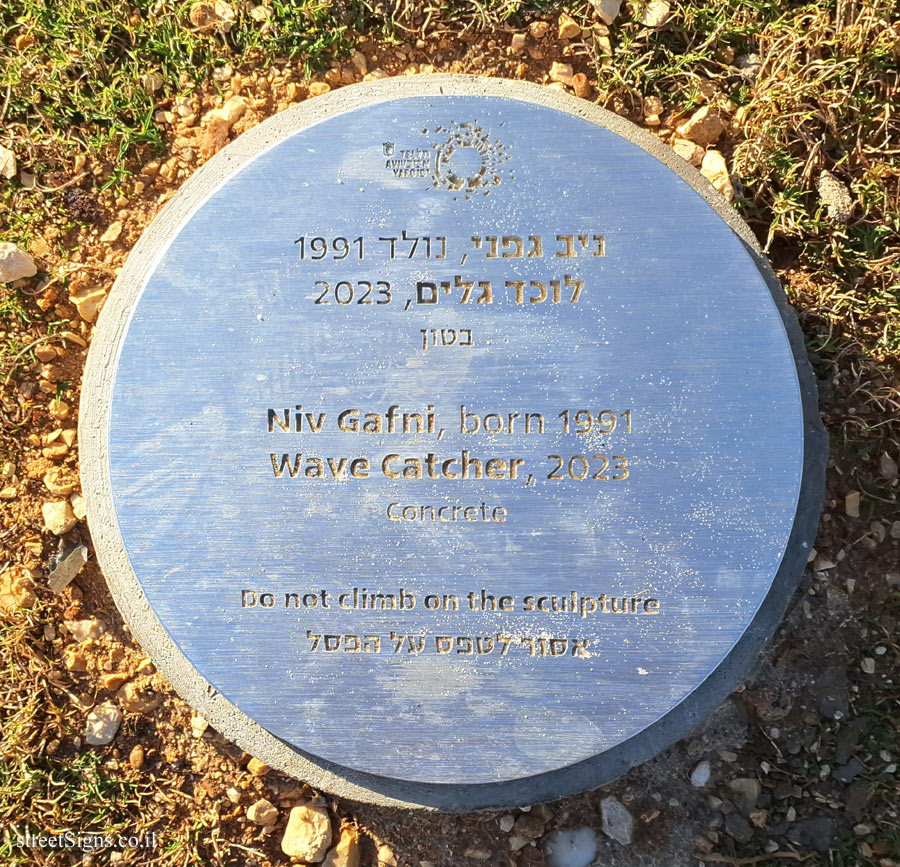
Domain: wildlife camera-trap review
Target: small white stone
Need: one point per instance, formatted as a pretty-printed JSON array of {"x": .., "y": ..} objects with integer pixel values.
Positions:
[
  {"x": 654, "y": 13},
  {"x": 715, "y": 170},
  {"x": 15, "y": 263},
  {"x": 704, "y": 127},
  {"x": 7, "y": 163},
  {"x": 88, "y": 301},
  {"x": 102, "y": 724},
  {"x": 851, "y": 504},
  {"x": 568, "y": 27},
  {"x": 232, "y": 111},
  {"x": 575, "y": 848},
  {"x": 561, "y": 72},
  {"x": 308, "y": 834},
  {"x": 700, "y": 775},
  {"x": 506, "y": 823},
  {"x": 607, "y": 9},
  {"x": 688, "y": 150},
  {"x": 81, "y": 630},
  {"x": 617, "y": 821},
  {"x": 58, "y": 517},
  {"x": 517, "y": 43},
  {"x": 823, "y": 564},
  {"x": 385, "y": 856},
  {"x": 67, "y": 568},
  {"x": 111, "y": 235},
  {"x": 79, "y": 507},
  {"x": 346, "y": 851},
  {"x": 263, "y": 812},
  {"x": 887, "y": 466},
  {"x": 517, "y": 842},
  {"x": 868, "y": 665},
  {"x": 198, "y": 725}
]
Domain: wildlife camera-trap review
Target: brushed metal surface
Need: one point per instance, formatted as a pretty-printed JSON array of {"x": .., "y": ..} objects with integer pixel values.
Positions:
[{"x": 674, "y": 323}]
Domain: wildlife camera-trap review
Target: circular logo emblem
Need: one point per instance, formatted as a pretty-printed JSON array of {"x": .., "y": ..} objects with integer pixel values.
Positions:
[{"x": 468, "y": 161}]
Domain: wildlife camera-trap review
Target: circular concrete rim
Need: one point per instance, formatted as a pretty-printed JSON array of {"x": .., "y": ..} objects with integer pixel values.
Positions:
[{"x": 223, "y": 715}]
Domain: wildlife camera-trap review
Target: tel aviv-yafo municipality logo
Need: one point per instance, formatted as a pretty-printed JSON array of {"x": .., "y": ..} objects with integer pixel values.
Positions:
[
  {"x": 468, "y": 161},
  {"x": 465, "y": 160}
]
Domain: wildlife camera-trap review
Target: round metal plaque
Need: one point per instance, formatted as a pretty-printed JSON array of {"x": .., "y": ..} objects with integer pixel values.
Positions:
[{"x": 448, "y": 442}]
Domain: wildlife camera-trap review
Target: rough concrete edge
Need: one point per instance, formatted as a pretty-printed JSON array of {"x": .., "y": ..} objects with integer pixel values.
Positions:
[{"x": 222, "y": 714}]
